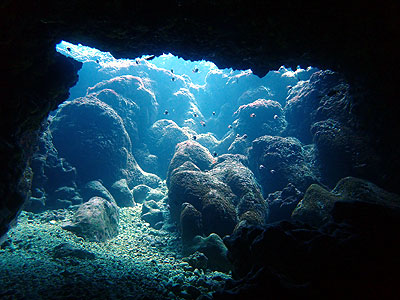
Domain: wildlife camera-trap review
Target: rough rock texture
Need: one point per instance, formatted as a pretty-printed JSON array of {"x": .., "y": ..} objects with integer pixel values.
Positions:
[
  {"x": 277, "y": 161},
  {"x": 193, "y": 152},
  {"x": 261, "y": 117},
  {"x": 324, "y": 96},
  {"x": 54, "y": 179},
  {"x": 250, "y": 206},
  {"x": 282, "y": 203},
  {"x": 316, "y": 206},
  {"x": 97, "y": 147},
  {"x": 210, "y": 196},
  {"x": 355, "y": 40},
  {"x": 96, "y": 220},
  {"x": 164, "y": 135},
  {"x": 352, "y": 256}
]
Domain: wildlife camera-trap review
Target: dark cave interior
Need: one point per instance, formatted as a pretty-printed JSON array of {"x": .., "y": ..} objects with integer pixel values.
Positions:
[{"x": 358, "y": 40}]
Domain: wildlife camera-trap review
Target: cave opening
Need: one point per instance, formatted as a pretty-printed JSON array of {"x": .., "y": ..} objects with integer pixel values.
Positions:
[{"x": 145, "y": 177}]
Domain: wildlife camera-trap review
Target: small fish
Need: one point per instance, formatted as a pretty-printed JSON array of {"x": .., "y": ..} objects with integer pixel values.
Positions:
[
  {"x": 203, "y": 123},
  {"x": 194, "y": 137},
  {"x": 252, "y": 115},
  {"x": 244, "y": 136},
  {"x": 137, "y": 61},
  {"x": 272, "y": 171},
  {"x": 238, "y": 135},
  {"x": 150, "y": 57},
  {"x": 195, "y": 115},
  {"x": 213, "y": 113},
  {"x": 230, "y": 126},
  {"x": 97, "y": 60},
  {"x": 173, "y": 78},
  {"x": 172, "y": 70},
  {"x": 69, "y": 49},
  {"x": 166, "y": 112},
  {"x": 195, "y": 70},
  {"x": 215, "y": 154},
  {"x": 276, "y": 117}
]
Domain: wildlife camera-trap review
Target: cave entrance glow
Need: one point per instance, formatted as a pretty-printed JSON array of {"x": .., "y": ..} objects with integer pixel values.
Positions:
[{"x": 147, "y": 166}]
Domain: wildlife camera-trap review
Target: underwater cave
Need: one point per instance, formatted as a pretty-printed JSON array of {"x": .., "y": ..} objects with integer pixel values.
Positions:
[{"x": 233, "y": 170}]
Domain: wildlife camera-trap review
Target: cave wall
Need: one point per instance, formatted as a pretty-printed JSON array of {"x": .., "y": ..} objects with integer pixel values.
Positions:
[{"x": 354, "y": 39}]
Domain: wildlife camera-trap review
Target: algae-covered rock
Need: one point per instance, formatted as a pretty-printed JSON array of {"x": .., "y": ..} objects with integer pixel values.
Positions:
[
  {"x": 96, "y": 220},
  {"x": 316, "y": 206}
]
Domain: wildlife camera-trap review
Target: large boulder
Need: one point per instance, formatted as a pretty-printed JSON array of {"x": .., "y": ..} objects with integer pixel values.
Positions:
[
  {"x": 193, "y": 152},
  {"x": 250, "y": 206},
  {"x": 259, "y": 118},
  {"x": 122, "y": 194},
  {"x": 96, "y": 220},
  {"x": 208, "y": 195},
  {"x": 137, "y": 91},
  {"x": 95, "y": 188},
  {"x": 278, "y": 161},
  {"x": 316, "y": 206},
  {"x": 92, "y": 137},
  {"x": 126, "y": 108},
  {"x": 325, "y": 95},
  {"x": 341, "y": 151},
  {"x": 164, "y": 135},
  {"x": 214, "y": 249}
]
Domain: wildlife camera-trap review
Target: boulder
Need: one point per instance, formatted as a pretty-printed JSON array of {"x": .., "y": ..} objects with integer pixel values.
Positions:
[
  {"x": 341, "y": 151},
  {"x": 282, "y": 203},
  {"x": 214, "y": 249},
  {"x": 152, "y": 214},
  {"x": 92, "y": 137},
  {"x": 324, "y": 96},
  {"x": 316, "y": 206},
  {"x": 190, "y": 151},
  {"x": 191, "y": 223},
  {"x": 208, "y": 195},
  {"x": 197, "y": 260},
  {"x": 261, "y": 117},
  {"x": 140, "y": 192},
  {"x": 277, "y": 161},
  {"x": 96, "y": 220},
  {"x": 164, "y": 135},
  {"x": 122, "y": 194},
  {"x": 250, "y": 205},
  {"x": 96, "y": 189}
]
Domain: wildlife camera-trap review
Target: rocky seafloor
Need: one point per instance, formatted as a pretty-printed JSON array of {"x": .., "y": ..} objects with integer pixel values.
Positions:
[{"x": 40, "y": 260}]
